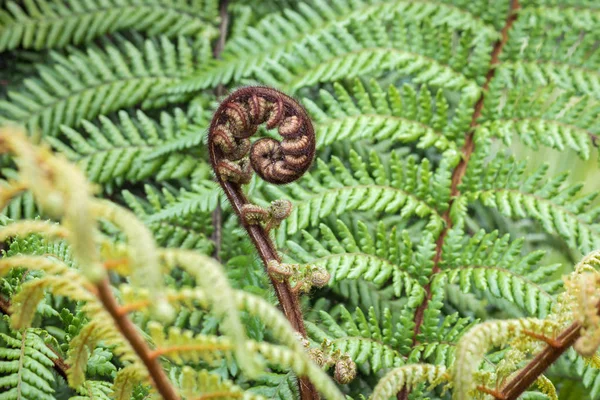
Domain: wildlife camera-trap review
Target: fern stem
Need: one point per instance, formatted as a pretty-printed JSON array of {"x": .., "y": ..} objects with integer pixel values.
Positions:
[
  {"x": 461, "y": 168},
  {"x": 129, "y": 331},
  {"x": 536, "y": 367}
]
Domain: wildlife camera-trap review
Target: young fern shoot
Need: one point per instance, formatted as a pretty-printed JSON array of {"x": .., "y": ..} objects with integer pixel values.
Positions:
[{"x": 234, "y": 159}]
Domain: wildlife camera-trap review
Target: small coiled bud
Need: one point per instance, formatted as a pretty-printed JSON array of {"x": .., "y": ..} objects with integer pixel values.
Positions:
[
  {"x": 253, "y": 214},
  {"x": 281, "y": 271},
  {"x": 319, "y": 357},
  {"x": 345, "y": 370},
  {"x": 319, "y": 277}
]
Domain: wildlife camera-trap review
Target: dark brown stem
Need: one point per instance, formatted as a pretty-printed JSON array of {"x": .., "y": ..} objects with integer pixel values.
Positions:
[
  {"x": 234, "y": 159},
  {"x": 130, "y": 332},
  {"x": 460, "y": 170}
]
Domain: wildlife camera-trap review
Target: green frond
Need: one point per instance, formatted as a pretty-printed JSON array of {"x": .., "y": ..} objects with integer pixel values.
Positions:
[
  {"x": 370, "y": 344},
  {"x": 84, "y": 85},
  {"x": 408, "y": 376},
  {"x": 543, "y": 116},
  {"x": 558, "y": 207},
  {"x": 316, "y": 43},
  {"x": 361, "y": 255},
  {"x": 363, "y": 48},
  {"x": 119, "y": 153},
  {"x": 561, "y": 34},
  {"x": 374, "y": 185},
  {"x": 400, "y": 114},
  {"x": 495, "y": 265},
  {"x": 202, "y": 198},
  {"x": 42, "y": 24},
  {"x": 26, "y": 365}
]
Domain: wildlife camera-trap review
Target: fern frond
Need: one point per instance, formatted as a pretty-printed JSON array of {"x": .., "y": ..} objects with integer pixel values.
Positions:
[
  {"x": 26, "y": 364},
  {"x": 120, "y": 153},
  {"x": 495, "y": 265},
  {"x": 43, "y": 24},
  {"x": 556, "y": 206},
  {"x": 103, "y": 79},
  {"x": 202, "y": 198},
  {"x": 543, "y": 116},
  {"x": 404, "y": 188},
  {"x": 401, "y": 115},
  {"x": 297, "y": 34},
  {"x": 362, "y": 256},
  {"x": 276, "y": 386},
  {"x": 365, "y": 48}
]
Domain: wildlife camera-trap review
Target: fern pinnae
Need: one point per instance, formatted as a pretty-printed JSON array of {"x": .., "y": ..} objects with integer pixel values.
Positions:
[
  {"x": 78, "y": 93},
  {"x": 24, "y": 26}
]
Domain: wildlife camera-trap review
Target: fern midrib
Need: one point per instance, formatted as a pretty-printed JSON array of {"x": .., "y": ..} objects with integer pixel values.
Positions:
[{"x": 461, "y": 168}]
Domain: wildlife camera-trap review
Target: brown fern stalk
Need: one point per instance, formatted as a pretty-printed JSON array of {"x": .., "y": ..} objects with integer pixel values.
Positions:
[
  {"x": 234, "y": 160},
  {"x": 461, "y": 168},
  {"x": 130, "y": 332}
]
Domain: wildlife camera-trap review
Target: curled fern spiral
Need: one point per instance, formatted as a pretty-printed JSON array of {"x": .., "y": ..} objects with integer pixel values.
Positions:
[{"x": 238, "y": 118}]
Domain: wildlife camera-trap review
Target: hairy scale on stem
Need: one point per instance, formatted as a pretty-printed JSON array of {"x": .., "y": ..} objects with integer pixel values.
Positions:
[{"x": 234, "y": 159}]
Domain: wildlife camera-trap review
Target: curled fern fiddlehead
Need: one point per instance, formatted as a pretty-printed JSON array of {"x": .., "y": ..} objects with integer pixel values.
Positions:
[
  {"x": 238, "y": 118},
  {"x": 234, "y": 160}
]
